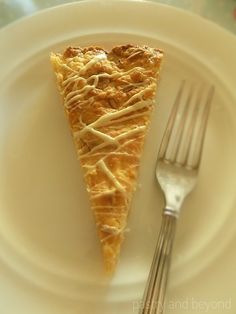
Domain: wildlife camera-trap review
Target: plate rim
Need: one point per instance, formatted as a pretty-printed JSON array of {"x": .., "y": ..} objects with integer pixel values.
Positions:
[{"x": 41, "y": 13}]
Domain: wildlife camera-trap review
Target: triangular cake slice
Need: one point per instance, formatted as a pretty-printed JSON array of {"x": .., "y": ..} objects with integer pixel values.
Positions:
[{"x": 108, "y": 98}]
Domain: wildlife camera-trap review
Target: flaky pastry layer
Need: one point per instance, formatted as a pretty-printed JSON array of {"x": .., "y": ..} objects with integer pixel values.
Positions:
[{"x": 108, "y": 98}]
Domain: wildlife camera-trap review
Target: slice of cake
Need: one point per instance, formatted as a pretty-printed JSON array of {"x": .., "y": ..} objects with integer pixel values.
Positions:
[{"x": 108, "y": 98}]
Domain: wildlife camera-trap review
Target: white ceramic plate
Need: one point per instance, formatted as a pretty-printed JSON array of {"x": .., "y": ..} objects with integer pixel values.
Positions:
[{"x": 49, "y": 255}]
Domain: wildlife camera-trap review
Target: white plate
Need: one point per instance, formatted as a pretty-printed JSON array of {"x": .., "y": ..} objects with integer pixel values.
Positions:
[{"x": 49, "y": 255}]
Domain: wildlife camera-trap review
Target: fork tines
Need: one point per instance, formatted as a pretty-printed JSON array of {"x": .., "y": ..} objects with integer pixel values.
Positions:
[{"x": 184, "y": 135}]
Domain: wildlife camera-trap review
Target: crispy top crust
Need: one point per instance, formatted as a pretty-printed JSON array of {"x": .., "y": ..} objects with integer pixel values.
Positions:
[{"x": 123, "y": 56}]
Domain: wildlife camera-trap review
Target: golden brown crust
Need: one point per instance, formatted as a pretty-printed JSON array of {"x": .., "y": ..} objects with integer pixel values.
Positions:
[
  {"x": 108, "y": 97},
  {"x": 71, "y": 52}
]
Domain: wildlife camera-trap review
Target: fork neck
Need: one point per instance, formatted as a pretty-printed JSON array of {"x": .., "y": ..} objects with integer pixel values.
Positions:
[{"x": 171, "y": 212}]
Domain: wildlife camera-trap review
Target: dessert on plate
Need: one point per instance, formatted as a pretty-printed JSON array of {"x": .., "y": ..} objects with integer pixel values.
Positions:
[{"x": 108, "y": 97}]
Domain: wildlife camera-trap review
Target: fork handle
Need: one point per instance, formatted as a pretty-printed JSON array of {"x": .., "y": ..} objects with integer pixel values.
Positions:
[{"x": 154, "y": 295}]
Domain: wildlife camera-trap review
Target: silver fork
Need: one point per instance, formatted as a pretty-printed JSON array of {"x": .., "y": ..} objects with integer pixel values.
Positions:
[{"x": 177, "y": 168}]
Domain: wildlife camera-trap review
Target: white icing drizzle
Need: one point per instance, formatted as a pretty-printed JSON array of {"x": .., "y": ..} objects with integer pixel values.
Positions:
[
  {"x": 111, "y": 229},
  {"x": 103, "y": 136},
  {"x": 115, "y": 139},
  {"x": 76, "y": 98},
  {"x": 117, "y": 114},
  {"x": 111, "y": 176},
  {"x": 113, "y": 233},
  {"x": 116, "y": 153},
  {"x": 103, "y": 193},
  {"x": 105, "y": 144},
  {"x": 72, "y": 78},
  {"x": 100, "y": 56},
  {"x": 66, "y": 67},
  {"x": 137, "y": 96},
  {"x": 121, "y": 136},
  {"x": 96, "y": 78},
  {"x": 75, "y": 78},
  {"x": 133, "y": 116},
  {"x": 105, "y": 239},
  {"x": 131, "y": 132}
]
